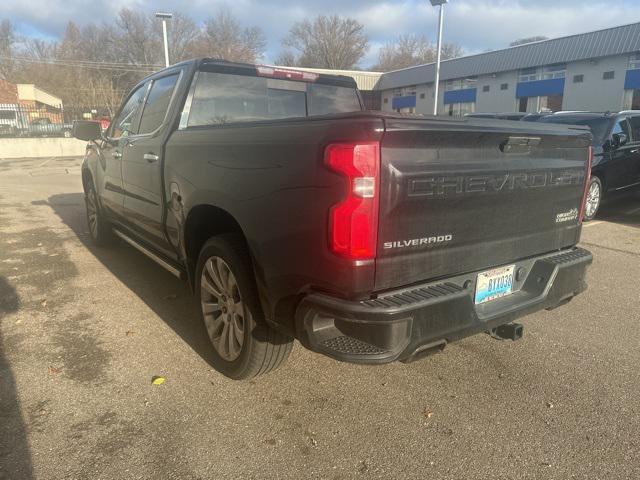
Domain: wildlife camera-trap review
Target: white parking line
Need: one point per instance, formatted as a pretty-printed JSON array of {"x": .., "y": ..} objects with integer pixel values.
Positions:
[
  {"x": 45, "y": 162},
  {"x": 591, "y": 224}
]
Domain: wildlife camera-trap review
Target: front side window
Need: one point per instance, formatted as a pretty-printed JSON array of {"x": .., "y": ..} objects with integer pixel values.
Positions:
[
  {"x": 225, "y": 98},
  {"x": 634, "y": 122},
  {"x": 622, "y": 126},
  {"x": 155, "y": 109},
  {"x": 126, "y": 122}
]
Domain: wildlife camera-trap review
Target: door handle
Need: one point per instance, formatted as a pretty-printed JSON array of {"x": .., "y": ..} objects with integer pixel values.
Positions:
[
  {"x": 116, "y": 154},
  {"x": 151, "y": 157},
  {"x": 635, "y": 150}
]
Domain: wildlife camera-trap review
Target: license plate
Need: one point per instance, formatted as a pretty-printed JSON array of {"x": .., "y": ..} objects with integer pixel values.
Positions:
[{"x": 494, "y": 284}]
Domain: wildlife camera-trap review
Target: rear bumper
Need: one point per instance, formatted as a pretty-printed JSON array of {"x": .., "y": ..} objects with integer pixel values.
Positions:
[{"x": 406, "y": 323}]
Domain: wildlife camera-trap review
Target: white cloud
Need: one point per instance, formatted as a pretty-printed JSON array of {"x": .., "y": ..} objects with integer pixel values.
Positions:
[{"x": 477, "y": 25}]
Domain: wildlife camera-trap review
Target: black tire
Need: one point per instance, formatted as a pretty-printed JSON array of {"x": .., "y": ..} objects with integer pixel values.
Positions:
[
  {"x": 100, "y": 231},
  {"x": 593, "y": 204},
  {"x": 263, "y": 349}
]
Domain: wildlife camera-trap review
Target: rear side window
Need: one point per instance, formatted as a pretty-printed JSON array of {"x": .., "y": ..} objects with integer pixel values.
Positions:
[
  {"x": 221, "y": 98},
  {"x": 155, "y": 109},
  {"x": 325, "y": 99}
]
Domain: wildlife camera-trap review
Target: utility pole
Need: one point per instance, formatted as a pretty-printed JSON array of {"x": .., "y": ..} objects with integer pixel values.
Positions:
[
  {"x": 441, "y": 4},
  {"x": 165, "y": 17}
]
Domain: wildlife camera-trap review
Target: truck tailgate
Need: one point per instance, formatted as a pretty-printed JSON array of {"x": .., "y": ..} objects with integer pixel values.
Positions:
[{"x": 464, "y": 195}]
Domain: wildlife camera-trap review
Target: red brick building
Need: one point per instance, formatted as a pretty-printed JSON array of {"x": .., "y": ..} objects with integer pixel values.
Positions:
[{"x": 8, "y": 92}]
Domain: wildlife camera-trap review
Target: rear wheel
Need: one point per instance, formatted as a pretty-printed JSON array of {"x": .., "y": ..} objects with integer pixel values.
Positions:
[
  {"x": 99, "y": 227},
  {"x": 244, "y": 346},
  {"x": 594, "y": 199}
]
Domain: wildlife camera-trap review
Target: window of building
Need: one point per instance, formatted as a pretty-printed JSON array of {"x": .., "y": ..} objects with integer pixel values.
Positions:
[
  {"x": 486, "y": 88},
  {"x": 578, "y": 78},
  {"x": 410, "y": 91},
  {"x": 529, "y": 74},
  {"x": 397, "y": 92},
  {"x": 461, "y": 109},
  {"x": 423, "y": 96},
  {"x": 386, "y": 100},
  {"x": 504, "y": 86},
  {"x": 461, "y": 83},
  {"x": 609, "y": 75},
  {"x": 634, "y": 61},
  {"x": 555, "y": 71}
]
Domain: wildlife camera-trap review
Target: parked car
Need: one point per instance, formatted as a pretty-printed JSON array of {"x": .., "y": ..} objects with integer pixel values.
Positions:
[
  {"x": 44, "y": 127},
  {"x": 499, "y": 116},
  {"x": 12, "y": 120},
  {"x": 368, "y": 236},
  {"x": 616, "y": 144}
]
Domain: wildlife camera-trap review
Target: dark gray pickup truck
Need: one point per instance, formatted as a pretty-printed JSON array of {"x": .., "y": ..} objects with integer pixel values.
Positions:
[{"x": 369, "y": 237}]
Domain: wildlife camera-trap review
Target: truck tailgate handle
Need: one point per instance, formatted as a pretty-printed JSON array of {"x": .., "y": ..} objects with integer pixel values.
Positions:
[{"x": 151, "y": 157}]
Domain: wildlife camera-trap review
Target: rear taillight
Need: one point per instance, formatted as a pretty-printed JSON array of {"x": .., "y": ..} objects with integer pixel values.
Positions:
[
  {"x": 353, "y": 223},
  {"x": 586, "y": 184}
]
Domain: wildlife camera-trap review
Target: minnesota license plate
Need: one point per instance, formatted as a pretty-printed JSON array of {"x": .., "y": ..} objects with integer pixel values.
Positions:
[{"x": 494, "y": 284}]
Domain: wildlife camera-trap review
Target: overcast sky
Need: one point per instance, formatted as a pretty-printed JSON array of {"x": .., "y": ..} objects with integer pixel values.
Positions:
[{"x": 477, "y": 25}]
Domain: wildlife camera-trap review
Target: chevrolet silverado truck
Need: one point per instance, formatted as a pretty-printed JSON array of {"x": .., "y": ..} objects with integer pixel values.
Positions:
[{"x": 369, "y": 237}]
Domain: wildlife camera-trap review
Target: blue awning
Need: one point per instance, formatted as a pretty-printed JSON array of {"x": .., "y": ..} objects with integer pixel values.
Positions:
[
  {"x": 632, "y": 80},
  {"x": 467, "y": 95},
  {"x": 404, "y": 102},
  {"x": 540, "y": 88}
]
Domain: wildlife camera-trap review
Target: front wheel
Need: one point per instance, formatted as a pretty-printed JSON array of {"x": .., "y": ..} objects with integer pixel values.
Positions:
[
  {"x": 99, "y": 227},
  {"x": 594, "y": 199},
  {"x": 244, "y": 346}
]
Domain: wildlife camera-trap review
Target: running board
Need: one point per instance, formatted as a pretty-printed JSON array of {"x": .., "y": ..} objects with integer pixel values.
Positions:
[{"x": 167, "y": 266}]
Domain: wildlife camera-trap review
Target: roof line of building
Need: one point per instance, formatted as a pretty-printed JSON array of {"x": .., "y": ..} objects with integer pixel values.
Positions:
[{"x": 514, "y": 47}]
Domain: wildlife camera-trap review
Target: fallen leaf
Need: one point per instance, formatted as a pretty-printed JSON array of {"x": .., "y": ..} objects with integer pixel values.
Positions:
[
  {"x": 549, "y": 405},
  {"x": 428, "y": 413},
  {"x": 158, "y": 380},
  {"x": 130, "y": 333},
  {"x": 54, "y": 370},
  {"x": 44, "y": 303}
]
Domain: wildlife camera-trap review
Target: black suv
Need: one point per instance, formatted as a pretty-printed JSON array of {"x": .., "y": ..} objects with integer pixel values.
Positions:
[{"x": 616, "y": 151}]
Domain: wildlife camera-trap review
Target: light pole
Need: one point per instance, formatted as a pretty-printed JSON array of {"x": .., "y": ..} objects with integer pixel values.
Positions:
[
  {"x": 441, "y": 4},
  {"x": 165, "y": 17}
]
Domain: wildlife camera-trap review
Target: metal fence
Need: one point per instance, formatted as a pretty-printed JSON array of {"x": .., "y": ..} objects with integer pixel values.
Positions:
[{"x": 40, "y": 120}]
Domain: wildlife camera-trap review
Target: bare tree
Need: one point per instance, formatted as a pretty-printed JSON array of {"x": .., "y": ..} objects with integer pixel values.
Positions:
[
  {"x": 286, "y": 59},
  {"x": 223, "y": 37},
  {"x": 524, "y": 41},
  {"x": 410, "y": 50},
  {"x": 8, "y": 40},
  {"x": 327, "y": 42}
]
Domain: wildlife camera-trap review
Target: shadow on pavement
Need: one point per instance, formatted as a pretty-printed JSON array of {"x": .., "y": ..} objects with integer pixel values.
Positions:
[
  {"x": 622, "y": 208},
  {"x": 167, "y": 296},
  {"x": 15, "y": 458}
]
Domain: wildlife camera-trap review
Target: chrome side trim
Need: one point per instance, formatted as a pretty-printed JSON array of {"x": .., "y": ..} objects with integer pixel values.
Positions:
[
  {"x": 171, "y": 269},
  {"x": 186, "y": 111},
  {"x": 628, "y": 186}
]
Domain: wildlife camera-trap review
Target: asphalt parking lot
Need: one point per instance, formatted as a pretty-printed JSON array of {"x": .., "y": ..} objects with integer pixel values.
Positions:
[{"x": 84, "y": 330}]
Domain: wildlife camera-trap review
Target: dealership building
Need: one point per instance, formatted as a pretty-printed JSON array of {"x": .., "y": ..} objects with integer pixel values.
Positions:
[{"x": 597, "y": 71}]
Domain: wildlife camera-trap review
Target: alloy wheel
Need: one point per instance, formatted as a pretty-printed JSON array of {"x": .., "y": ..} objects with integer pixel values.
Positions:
[
  {"x": 222, "y": 307},
  {"x": 92, "y": 213},
  {"x": 593, "y": 199}
]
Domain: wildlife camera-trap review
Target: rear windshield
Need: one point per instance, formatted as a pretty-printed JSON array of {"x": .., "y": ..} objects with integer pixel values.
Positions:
[
  {"x": 599, "y": 125},
  {"x": 221, "y": 98}
]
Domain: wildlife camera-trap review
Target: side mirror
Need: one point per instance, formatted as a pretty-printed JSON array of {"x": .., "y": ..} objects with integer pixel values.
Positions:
[
  {"x": 87, "y": 130},
  {"x": 618, "y": 140}
]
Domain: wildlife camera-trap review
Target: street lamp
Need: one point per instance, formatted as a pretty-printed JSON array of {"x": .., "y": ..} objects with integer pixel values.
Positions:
[
  {"x": 441, "y": 4},
  {"x": 165, "y": 17}
]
